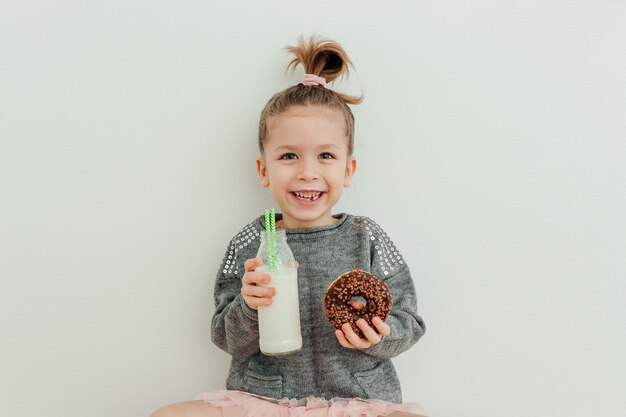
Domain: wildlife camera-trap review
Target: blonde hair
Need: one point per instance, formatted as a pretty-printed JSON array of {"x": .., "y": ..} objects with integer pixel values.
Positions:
[{"x": 326, "y": 59}]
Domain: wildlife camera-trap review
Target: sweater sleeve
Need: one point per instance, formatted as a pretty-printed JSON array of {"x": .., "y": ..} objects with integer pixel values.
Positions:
[
  {"x": 234, "y": 327},
  {"x": 406, "y": 325}
]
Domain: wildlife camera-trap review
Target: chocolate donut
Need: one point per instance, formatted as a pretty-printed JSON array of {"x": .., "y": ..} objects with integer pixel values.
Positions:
[{"x": 356, "y": 283}]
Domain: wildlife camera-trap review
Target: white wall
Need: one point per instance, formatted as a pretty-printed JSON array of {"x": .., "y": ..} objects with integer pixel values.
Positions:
[{"x": 491, "y": 146}]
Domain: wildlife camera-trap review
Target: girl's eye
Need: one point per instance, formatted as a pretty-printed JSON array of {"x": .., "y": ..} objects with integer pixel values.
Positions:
[
  {"x": 289, "y": 156},
  {"x": 326, "y": 155}
]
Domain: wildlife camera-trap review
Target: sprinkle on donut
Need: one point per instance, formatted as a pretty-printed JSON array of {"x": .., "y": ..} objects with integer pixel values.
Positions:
[{"x": 356, "y": 283}]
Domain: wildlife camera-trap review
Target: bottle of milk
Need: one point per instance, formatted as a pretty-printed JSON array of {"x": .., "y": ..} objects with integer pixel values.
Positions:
[{"x": 279, "y": 323}]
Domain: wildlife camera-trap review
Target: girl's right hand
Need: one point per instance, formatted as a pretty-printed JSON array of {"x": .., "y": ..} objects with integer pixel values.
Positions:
[{"x": 253, "y": 294}]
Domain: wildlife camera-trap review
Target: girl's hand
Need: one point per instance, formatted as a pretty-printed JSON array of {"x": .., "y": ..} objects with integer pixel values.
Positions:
[
  {"x": 349, "y": 339},
  {"x": 253, "y": 294}
]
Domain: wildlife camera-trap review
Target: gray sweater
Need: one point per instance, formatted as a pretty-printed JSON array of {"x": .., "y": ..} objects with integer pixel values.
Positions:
[{"x": 322, "y": 368}]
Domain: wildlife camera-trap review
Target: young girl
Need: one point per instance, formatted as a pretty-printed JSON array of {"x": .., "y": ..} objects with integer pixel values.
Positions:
[{"x": 306, "y": 135}]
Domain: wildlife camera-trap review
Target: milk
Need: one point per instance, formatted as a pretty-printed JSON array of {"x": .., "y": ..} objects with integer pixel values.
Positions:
[{"x": 279, "y": 323}]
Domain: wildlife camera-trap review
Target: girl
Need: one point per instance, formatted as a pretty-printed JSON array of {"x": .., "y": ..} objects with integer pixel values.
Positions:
[{"x": 306, "y": 136}]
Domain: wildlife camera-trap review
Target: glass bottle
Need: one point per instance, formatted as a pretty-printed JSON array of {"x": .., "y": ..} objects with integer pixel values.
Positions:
[{"x": 279, "y": 323}]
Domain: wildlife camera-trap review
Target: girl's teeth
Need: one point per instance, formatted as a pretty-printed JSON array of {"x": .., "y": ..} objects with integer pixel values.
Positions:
[{"x": 311, "y": 197}]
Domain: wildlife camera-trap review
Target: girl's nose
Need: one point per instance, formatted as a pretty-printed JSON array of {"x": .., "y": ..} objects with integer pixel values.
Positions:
[{"x": 308, "y": 172}]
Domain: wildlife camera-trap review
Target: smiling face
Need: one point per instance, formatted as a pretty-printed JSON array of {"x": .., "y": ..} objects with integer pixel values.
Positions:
[{"x": 306, "y": 164}]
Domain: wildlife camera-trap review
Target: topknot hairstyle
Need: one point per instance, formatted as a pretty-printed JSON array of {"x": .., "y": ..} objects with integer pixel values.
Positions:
[{"x": 324, "y": 58}]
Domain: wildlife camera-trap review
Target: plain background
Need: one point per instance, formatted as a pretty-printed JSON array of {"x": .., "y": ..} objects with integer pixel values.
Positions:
[{"x": 491, "y": 148}]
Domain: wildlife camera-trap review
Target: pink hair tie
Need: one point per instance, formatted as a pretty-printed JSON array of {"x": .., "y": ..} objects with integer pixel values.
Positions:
[{"x": 313, "y": 80}]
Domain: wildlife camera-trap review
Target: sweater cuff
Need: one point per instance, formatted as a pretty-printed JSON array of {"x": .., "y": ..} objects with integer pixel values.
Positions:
[
  {"x": 247, "y": 311},
  {"x": 377, "y": 349}
]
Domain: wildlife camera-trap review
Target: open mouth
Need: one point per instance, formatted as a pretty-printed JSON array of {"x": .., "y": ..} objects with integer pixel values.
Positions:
[{"x": 307, "y": 195}]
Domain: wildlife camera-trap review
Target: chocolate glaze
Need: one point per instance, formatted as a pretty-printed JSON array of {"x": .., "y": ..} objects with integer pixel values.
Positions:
[{"x": 356, "y": 283}]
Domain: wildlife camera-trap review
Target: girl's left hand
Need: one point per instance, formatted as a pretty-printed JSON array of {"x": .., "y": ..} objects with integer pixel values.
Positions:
[{"x": 349, "y": 339}]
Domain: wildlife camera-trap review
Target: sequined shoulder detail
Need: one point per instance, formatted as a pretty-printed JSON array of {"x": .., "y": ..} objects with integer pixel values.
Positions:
[
  {"x": 245, "y": 237},
  {"x": 385, "y": 255}
]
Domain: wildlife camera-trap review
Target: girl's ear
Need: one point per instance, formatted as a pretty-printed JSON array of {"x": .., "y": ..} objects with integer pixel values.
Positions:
[
  {"x": 261, "y": 169},
  {"x": 350, "y": 168}
]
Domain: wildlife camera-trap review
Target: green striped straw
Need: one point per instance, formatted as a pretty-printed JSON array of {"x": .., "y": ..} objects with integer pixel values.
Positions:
[{"x": 270, "y": 235}]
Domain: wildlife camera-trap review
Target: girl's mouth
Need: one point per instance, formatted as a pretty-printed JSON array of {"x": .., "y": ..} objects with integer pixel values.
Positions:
[{"x": 307, "y": 195}]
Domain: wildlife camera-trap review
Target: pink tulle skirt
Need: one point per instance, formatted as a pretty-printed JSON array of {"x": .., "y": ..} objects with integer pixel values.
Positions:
[{"x": 243, "y": 404}]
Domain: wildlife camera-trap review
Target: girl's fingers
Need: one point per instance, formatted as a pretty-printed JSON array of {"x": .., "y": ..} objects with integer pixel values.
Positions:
[
  {"x": 370, "y": 334},
  {"x": 256, "y": 278},
  {"x": 349, "y": 339},
  {"x": 251, "y": 264},
  {"x": 256, "y": 295},
  {"x": 256, "y": 302},
  {"x": 342, "y": 339},
  {"x": 256, "y": 291},
  {"x": 382, "y": 327},
  {"x": 353, "y": 338}
]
